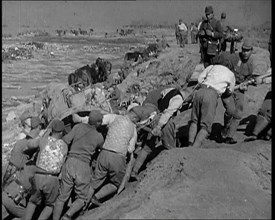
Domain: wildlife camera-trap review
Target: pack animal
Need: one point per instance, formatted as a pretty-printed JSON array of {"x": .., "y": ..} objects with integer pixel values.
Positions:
[
  {"x": 132, "y": 56},
  {"x": 104, "y": 69},
  {"x": 85, "y": 76},
  {"x": 153, "y": 50}
]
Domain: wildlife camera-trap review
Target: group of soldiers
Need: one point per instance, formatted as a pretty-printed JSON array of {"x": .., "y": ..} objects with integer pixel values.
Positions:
[
  {"x": 212, "y": 34},
  {"x": 62, "y": 174},
  {"x": 224, "y": 33}
]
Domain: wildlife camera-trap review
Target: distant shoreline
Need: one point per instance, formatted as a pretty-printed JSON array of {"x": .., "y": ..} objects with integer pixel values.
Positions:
[{"x": 107, "y": 16}]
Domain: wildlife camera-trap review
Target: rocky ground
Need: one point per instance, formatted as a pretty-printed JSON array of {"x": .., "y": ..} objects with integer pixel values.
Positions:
[{"x": 215, "y": 181}]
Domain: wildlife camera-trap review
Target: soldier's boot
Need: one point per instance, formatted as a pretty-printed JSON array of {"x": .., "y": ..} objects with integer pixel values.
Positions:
[
  {"x": 106, "y": 190},
  {"x": 46, "y": 213},
  {"x": 58, "y": 208},
  {"x": 261, "y": 124},
  {"x": 139, "y": 162},
  {"x": 75, "y": 207},
  {"x": 192, "y": 133},
  {"x": 231, "y": 131},
  {"x": 201, "y": 136}
]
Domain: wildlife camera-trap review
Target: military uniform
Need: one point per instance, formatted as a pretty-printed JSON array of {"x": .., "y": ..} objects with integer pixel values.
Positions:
[
  {"x": 234, "y": 104},
  {"x": 226, "y": 28},
  {"x": 210, "y": 33}
]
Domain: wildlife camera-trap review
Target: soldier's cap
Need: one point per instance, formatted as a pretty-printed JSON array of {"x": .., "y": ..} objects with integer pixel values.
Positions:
[
  {"x": 58, "y": 126},
  {"x": 247, "y": 44},
  {"x": 35, "y": 121},
  {"x": 223, "y": 15},
  {"x": 94, "y": 117},
  {"x": 209, "y": 10}
]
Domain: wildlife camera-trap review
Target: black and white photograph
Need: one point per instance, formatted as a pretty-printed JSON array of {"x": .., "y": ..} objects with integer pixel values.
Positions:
[{"x": 136, "y": 109}]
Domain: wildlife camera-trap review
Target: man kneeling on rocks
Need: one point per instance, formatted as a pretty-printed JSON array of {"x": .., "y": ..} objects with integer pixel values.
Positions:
[
  {"x": 167, "y": 102},
  {"x": 215, "y": 80}
]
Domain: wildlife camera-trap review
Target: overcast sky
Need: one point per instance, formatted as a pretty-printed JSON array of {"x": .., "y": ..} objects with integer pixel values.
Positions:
[{"x": 110, "y": 15}]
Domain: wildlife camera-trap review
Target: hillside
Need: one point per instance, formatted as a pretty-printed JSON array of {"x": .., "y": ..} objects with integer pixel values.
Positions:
[{"x": 214, "y": 181}]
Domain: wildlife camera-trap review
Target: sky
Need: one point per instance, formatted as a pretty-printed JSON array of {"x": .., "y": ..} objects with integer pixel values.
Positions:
[{"x": 110, "y": 15}]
